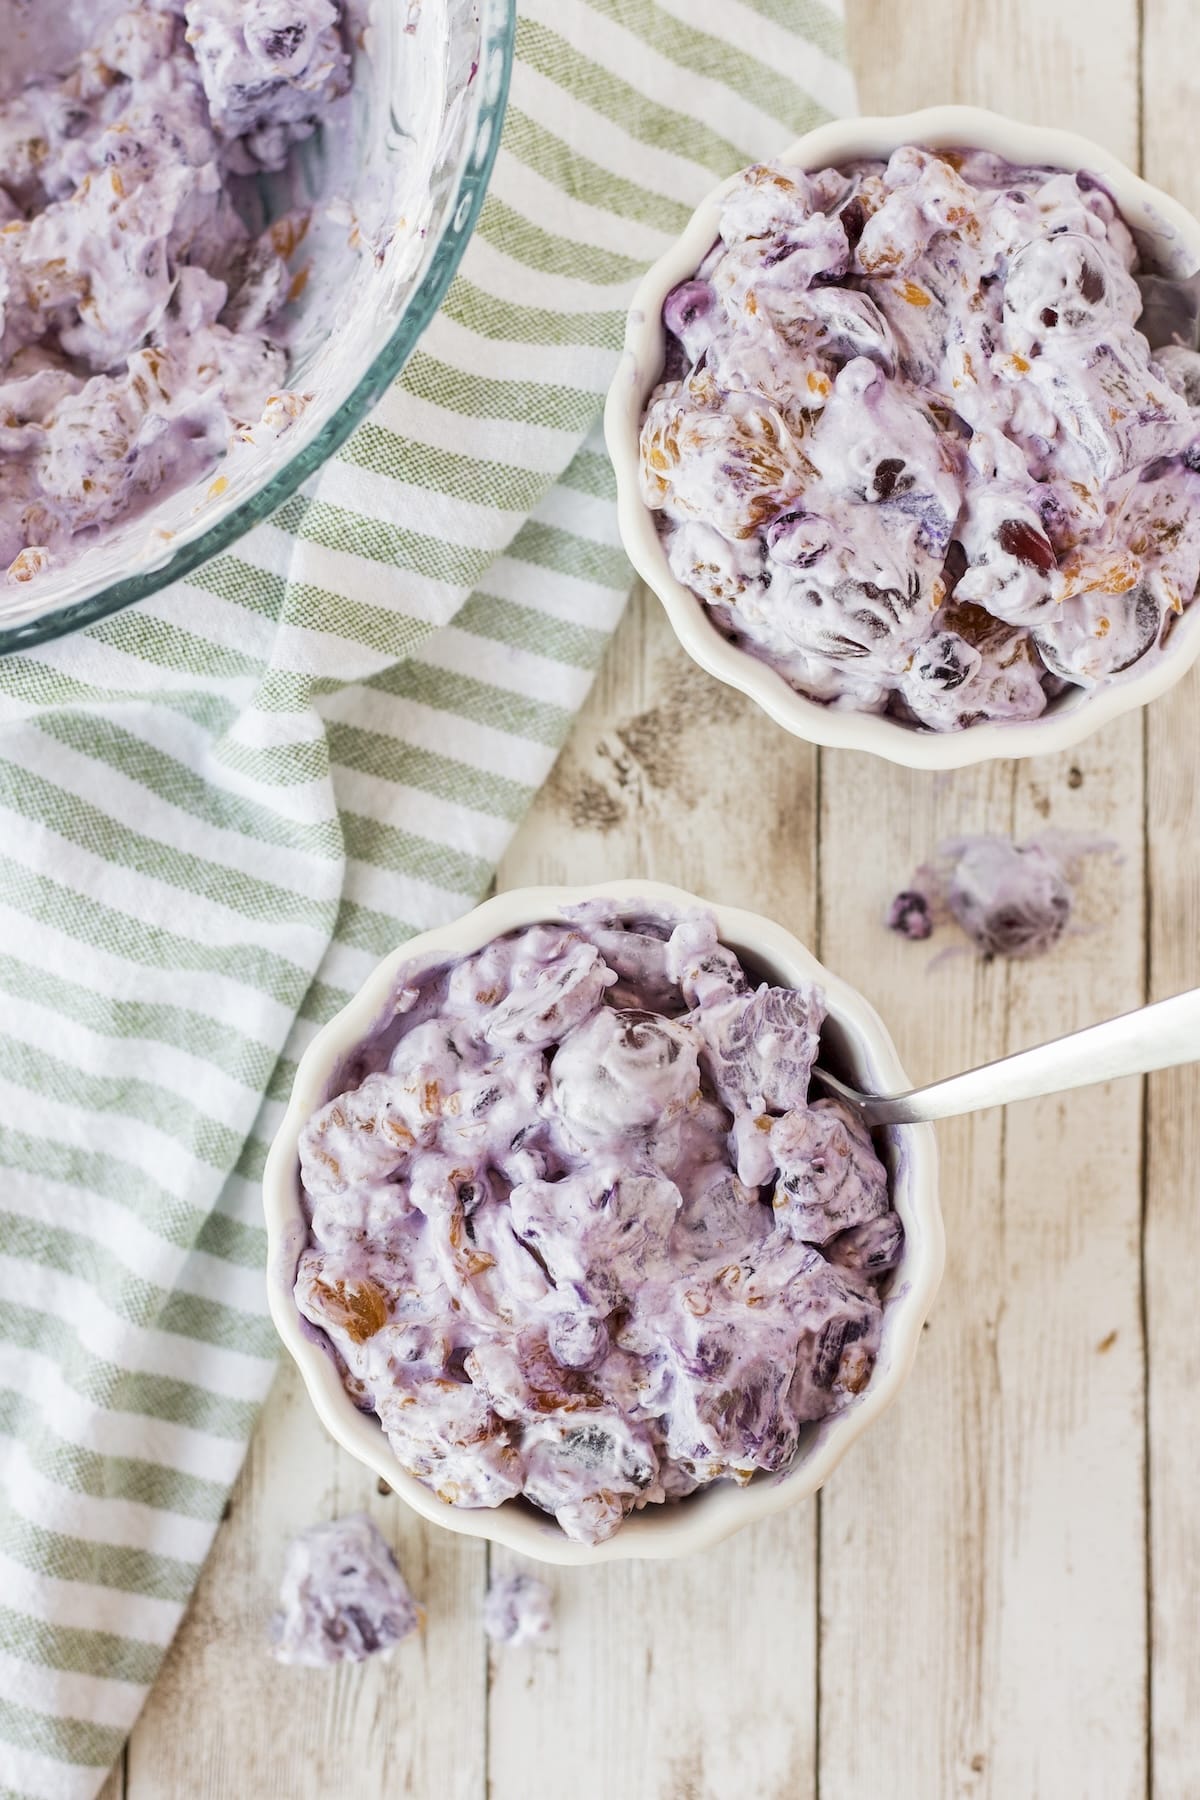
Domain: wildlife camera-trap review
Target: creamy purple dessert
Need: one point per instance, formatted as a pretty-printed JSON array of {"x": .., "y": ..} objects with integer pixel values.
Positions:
[
  {"x": 1010, "y": 899},
  {"x": 138, "y": 312},
  {"x": 342, "y": 1598},
  {"x": 911, "y": 446},
  {"x": 518, "y": 1610},
  {"x": 576, "y": 1232}
]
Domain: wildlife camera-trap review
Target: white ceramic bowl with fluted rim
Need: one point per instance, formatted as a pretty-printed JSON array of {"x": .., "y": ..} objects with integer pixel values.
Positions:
[
  {"x": 1169, "y": 237},
  {"x": 860, "y": 1045}
]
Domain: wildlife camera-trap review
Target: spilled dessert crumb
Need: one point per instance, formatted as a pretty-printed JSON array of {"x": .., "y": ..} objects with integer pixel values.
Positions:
[
  {"x": 342, "y": 1598},
  {"x": 1013, "y": 900},
  {"x": 139, "y": 315},
  {"x": 518, "y": 1610},
  {"x": 912, "y": 445}
]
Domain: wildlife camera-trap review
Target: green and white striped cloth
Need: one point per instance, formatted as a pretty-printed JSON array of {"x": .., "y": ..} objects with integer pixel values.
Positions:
[{"x": 221, "y": 806}]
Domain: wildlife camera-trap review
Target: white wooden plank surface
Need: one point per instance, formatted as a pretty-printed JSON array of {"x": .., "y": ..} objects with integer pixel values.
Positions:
[
  {"x": 1172, "y": 1217},
  {"x": 225, "y": 1722},
  {"x": 970, "y": 1601}
]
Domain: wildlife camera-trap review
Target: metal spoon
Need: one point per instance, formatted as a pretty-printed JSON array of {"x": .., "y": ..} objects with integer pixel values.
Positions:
[{"x": 1153, "y": 1037}]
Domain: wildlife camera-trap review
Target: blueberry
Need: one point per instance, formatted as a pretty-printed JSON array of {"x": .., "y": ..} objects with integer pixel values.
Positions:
[
  {"x": 778, "y": 1445},
  {"x": 748, "y": 1405},
  {"x": 872, "y": 1248},
  {"x": 887, "y": 474},
  {"x": 244, "y": 93},
  {"x": 798, "y": 538},
  {"x": 946, "y": 662},
  {"x": 710, "y": 1358},
  {"x": 1010, "y": 931},
  {"x": 909, "y": 915},
  {"x": 883, "y": 607},
  {"x": 947, "y": 674},
  {"x": 284, "y": 42},
  {"x": 1170, "y": 310},
  {"x": 835, "y": 1335},
  {"x": 577, "y": 1340},
  {"x": 685, "y": 304},
  {"x": 718, "y": 965},
  {"x": 1147, "y": 618},
  {"x": 675, "y": 361}
]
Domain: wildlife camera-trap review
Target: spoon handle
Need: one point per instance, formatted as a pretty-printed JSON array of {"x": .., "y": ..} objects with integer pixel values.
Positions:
[{"x": 1153, "y": 1037}]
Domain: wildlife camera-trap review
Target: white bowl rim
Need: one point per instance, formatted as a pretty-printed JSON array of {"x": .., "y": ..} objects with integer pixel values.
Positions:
[
  {"x": 1150, "y": 213},
  {"x": 660, "y": 1531}
]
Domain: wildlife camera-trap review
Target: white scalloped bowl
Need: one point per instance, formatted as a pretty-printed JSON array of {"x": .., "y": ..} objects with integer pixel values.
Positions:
[
  {"x": 1168, "y": 235},
  {"x": 860, "y": 1046}
]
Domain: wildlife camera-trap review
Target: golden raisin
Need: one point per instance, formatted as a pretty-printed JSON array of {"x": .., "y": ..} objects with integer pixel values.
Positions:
[{"x": 358, "y": 1307}]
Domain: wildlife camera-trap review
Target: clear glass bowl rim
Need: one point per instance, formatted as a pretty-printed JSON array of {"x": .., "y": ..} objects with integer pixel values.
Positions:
[{"x": 497, "y": 35}]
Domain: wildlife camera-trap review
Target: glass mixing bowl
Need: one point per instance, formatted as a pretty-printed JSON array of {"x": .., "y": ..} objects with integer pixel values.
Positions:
[{"x": 408, "y": 173}]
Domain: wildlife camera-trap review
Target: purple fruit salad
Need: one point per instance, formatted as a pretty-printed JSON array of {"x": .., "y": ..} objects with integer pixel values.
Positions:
[
  {"x": 911, "y": 446},
  {"x": 518, "y": 1610},
  {"x": 577, "y": 1233},
  {"x": 342, "y": 1598},
  {"x": 137, "y": 309},
  {"x": 1013, "y": 900}
]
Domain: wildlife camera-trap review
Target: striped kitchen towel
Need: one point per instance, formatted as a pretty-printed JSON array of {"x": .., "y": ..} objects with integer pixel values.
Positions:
[{"x": 221, "y": 806}]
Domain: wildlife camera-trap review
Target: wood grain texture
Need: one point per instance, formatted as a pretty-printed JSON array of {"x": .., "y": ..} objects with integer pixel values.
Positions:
[
  {"x": 982, "y": 1568},
  {"x": 1172, "y": 1218},
  {"x": 114, "y": 1787},
  {"x": 690, "y": 1680},
  {"x": 672, "y": 776}
]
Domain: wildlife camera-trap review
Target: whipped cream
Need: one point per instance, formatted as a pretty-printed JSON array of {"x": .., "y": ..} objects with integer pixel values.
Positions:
[
  {"x": 576, "y": 1232},
  {"x": 342, "y": 1597},
  {"x": 913, "y": 449},
  {"x": 140, "y": 317}
]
